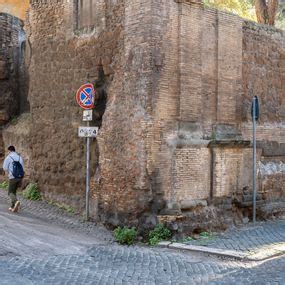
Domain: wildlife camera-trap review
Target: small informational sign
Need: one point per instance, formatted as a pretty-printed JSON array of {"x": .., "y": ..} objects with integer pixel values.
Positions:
[
  {"x": 87, "y": 132},
  {"x": 255, "y": 108},
  {"x": 87, "y": 115},
  {"x": 85, "y": 96}
]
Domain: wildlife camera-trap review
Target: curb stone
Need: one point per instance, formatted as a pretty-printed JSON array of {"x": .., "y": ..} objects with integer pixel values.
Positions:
[{"x": 260, "y": 255}]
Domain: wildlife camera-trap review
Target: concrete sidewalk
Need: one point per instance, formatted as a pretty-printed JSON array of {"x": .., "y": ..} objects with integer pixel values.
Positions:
[{"x": 256, "y": 243}]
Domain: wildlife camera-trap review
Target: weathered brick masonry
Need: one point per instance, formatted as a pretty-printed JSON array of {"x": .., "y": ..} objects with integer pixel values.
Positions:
[
  {"x": 65, "y": 55},
  {"x": 12, "y": 35},
  {"x": 13, "y": 88},
  {"x": 175, "y": 134},
  {"x": 201, "y": 154}
]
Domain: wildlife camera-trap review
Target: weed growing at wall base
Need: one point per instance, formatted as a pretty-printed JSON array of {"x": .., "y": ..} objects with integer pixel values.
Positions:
[
  {"x": 159, "y": 233},
  {"x": 32, "y": 192},
  {"x": 125, "y": 235},
  {"x": 4, "y": 185},
  {"x": 14, "y": 121}
]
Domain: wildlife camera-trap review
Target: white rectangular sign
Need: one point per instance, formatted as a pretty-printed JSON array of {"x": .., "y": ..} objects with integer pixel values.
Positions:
[
  {"x": 87, "y": 115},
  {"x": 87, "y": 132}
]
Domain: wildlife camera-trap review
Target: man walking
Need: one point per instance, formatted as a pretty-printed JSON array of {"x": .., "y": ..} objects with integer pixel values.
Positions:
[{"x": 14, "y": 166}]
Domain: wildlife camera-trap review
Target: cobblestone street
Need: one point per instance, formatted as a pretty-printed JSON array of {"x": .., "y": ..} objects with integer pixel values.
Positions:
[
  {"x": 37, "y": 250},
  {"x": 128, "y": 265},
  {"x": 262, "y": 241}
]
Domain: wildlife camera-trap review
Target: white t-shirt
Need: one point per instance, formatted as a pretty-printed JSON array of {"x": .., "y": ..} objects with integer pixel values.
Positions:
[{"x": 8, "y": 163}]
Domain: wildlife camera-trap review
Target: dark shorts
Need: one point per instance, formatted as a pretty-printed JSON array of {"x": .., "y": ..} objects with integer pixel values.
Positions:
[{"x": 14, "y": 184}]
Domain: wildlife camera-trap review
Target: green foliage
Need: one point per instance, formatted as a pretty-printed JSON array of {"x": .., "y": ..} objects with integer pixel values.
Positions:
[
  {"x": 206, "y": 235},
  {"x": 205, "y": 238},
  {"x": 159, "y": 233},
  {"x": 125, "y": 235},
  {"x": 4, "y": 185},
  {"x": 187, "y": 239},
  {"x": 32, "y": 192},
  {"x": 243, "y": 8},
  {"x": 246, "y": 9},
  {"x": 14, "y": 121}
]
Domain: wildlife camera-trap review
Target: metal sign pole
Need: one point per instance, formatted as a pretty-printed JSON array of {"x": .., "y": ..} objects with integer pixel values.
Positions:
[
  {"x": 87, "y": 174},
  {"x": 254, "y": 160}
]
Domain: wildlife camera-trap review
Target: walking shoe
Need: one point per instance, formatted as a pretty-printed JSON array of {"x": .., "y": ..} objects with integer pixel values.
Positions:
[
  {"x": 10, "y": 209},
  {"x": 16, "y": 207}
]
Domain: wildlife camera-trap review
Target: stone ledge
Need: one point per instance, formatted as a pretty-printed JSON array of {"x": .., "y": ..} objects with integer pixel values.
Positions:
[{"x": 230, "y": 143}]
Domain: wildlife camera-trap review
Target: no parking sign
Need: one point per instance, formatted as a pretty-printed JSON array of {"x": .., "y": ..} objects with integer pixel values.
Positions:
[
  {"x": 85, "y": 99},
  {"x": 85, "y": 96}
]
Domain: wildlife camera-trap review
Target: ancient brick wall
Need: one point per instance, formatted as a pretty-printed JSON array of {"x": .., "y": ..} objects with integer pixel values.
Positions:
[
  {"x": 18, "y": 133},
  {"x": 124, "y": 179},
  {"x": 196, "y": 96},
  {"x": 11, "y": 38},
  {"x": 264, "y": 76},
  {"x": 115, "y": 51},
  {"x": 203, "y": 94},
  {"x": 178, "y": 79},
  {"x": 63, "y": 58},
  {"x": 13, "y": 89}
]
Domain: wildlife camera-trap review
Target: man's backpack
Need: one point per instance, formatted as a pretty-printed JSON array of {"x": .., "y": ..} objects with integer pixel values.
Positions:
[{"x": 17, "y": 170}]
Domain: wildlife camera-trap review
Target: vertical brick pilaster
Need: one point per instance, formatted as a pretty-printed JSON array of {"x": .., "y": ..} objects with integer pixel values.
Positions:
[
  {"x": 229, "y": 68},
  {"x": 190, "y": 62}
]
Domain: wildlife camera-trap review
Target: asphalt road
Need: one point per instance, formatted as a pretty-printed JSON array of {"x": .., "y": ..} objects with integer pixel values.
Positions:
[{"x": 36, "y": 251}]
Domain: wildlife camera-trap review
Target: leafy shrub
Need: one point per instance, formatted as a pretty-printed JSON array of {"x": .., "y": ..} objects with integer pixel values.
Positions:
[
  {"x": 4, "y": 185},
  {"x": 207, "y": 235},
  {"x": 125, "y": 235},
  {"x": 32, "y": 192},
  {"x": 159, "y": 233}
]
